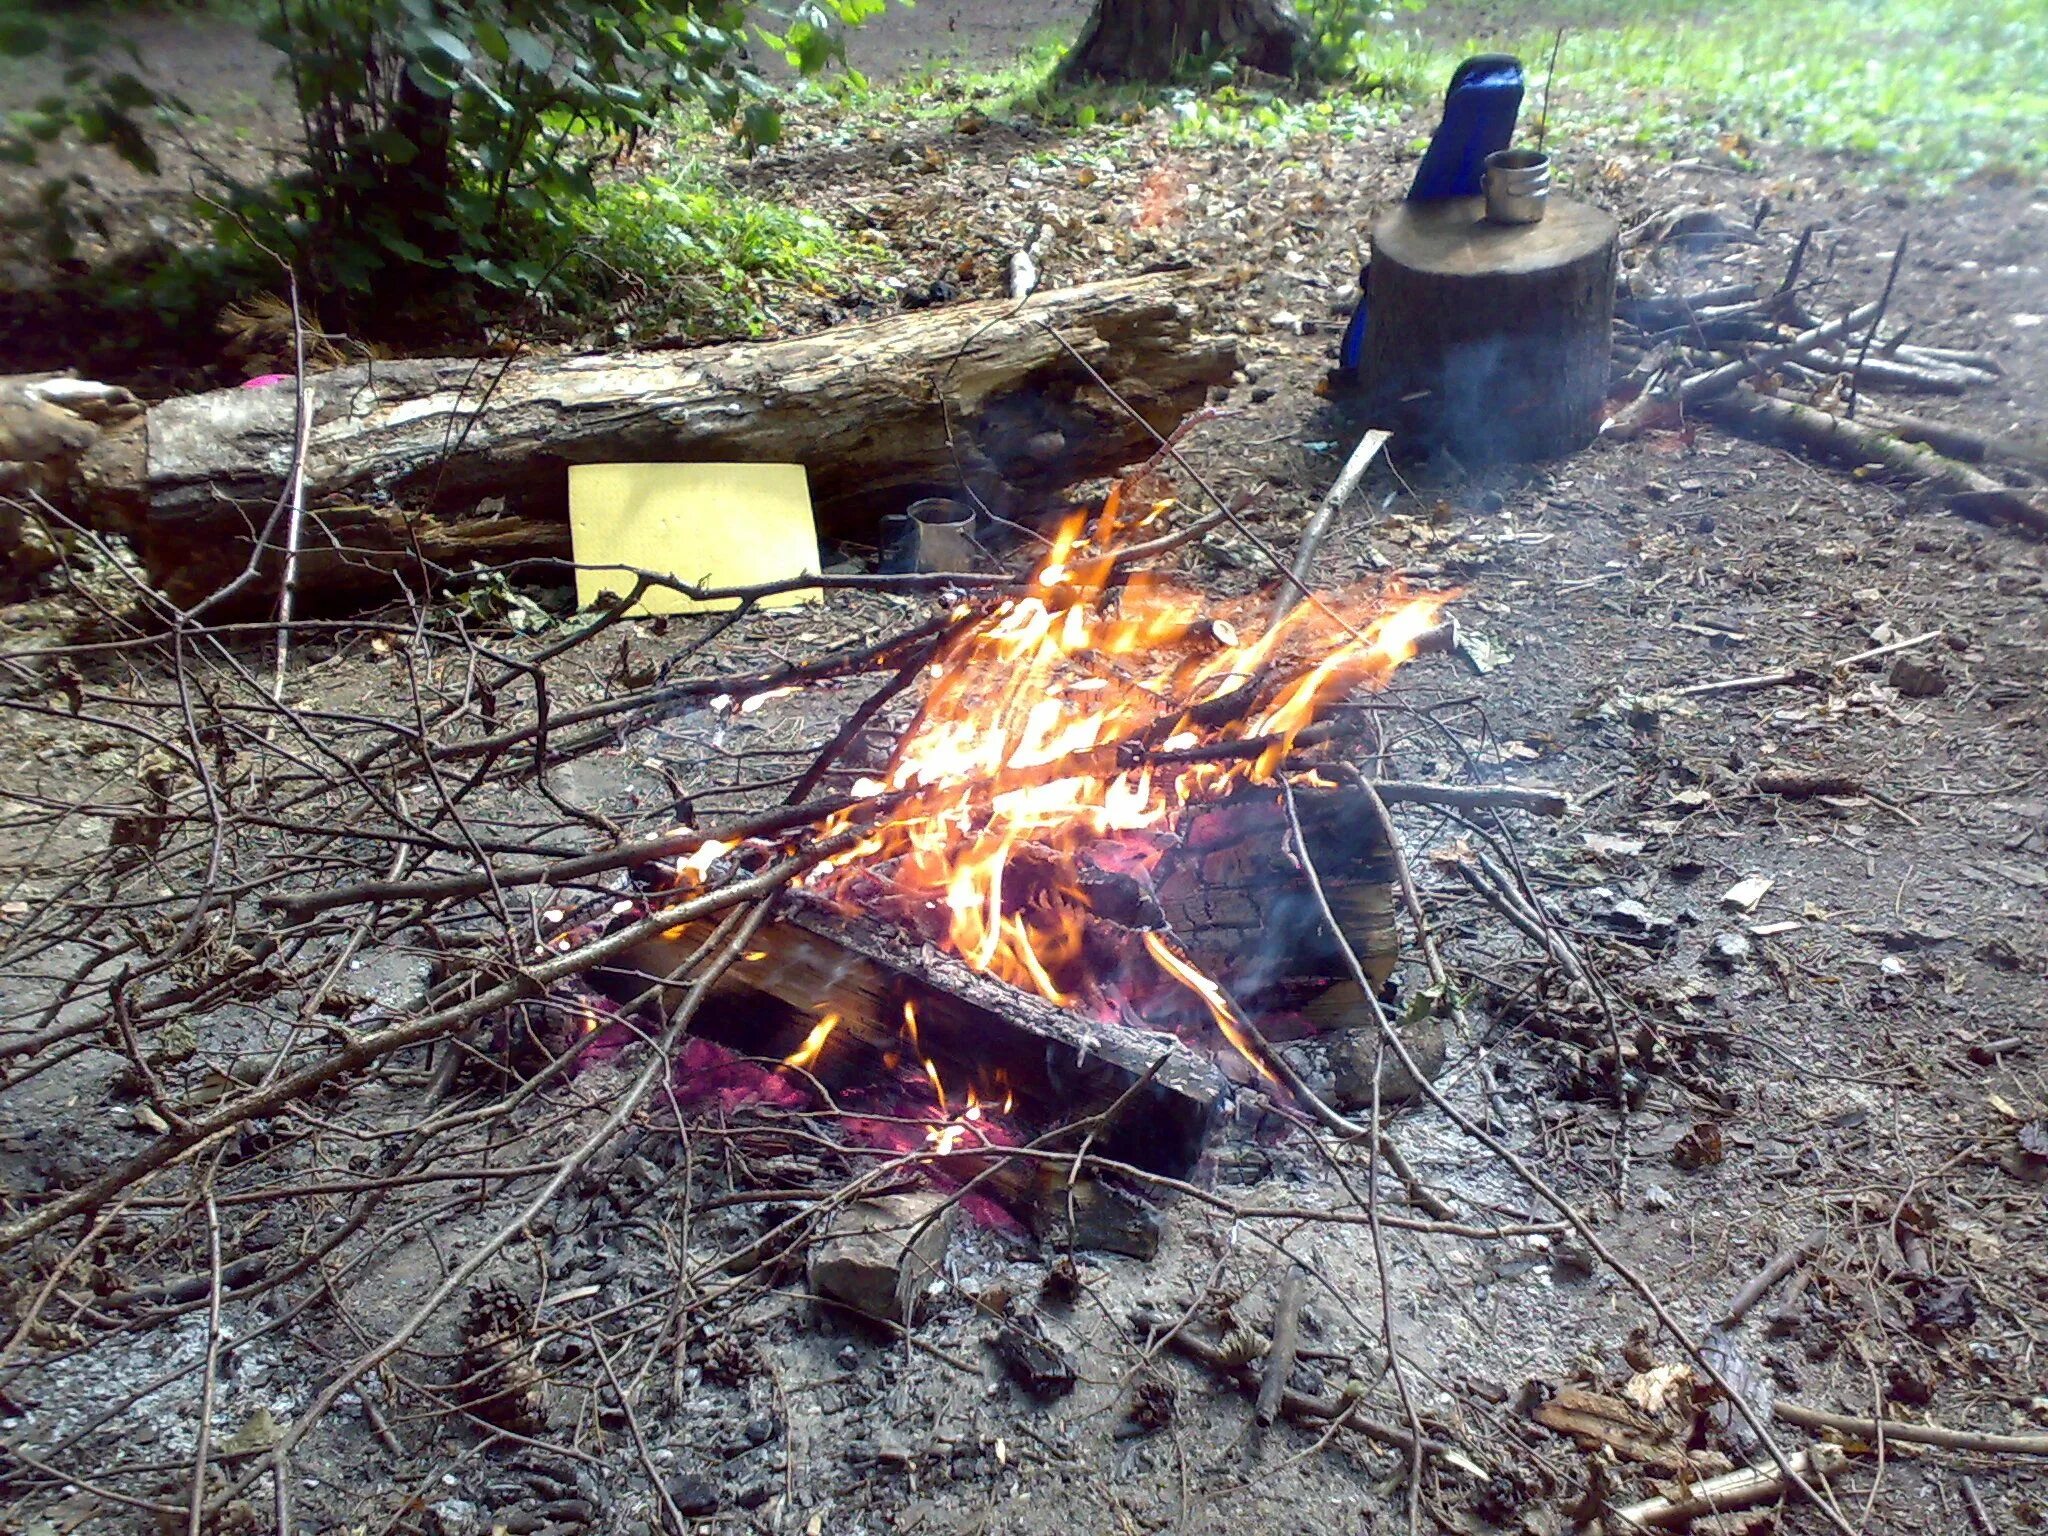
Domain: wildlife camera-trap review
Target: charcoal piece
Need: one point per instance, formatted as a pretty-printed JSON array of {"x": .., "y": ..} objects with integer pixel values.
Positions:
[
  {"x": 1033, "y": 1361},
  {"x": 1094, "y": 1215}
]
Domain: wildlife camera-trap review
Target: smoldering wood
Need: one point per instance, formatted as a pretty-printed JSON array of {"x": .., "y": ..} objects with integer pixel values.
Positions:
[
  {"x": 460, "y": 459},
  {"x": 1490, "y": 340},
  {"x": 810, "y": 961},
  {"x": 1246, "y": 913}
]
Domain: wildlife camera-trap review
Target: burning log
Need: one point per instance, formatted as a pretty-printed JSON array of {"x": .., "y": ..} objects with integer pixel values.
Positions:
[
  {"x": 976, "y": 1031},
  {"x": 1083, "y": 829},
  {"x": 402, "y": 453},
  {"x": 1248, "y": 915}
]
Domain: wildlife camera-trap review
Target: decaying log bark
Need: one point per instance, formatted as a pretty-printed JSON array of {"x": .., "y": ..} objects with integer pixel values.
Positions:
[{"x": 404, "y": 455}]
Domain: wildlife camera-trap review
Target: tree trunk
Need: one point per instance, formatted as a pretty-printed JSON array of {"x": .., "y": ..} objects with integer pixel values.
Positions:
[
  {"x": 981, "y": 395},
  {"x": 1149, "y": 40}
]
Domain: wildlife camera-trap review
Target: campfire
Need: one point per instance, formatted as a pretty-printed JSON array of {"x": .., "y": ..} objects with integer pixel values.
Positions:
[{"x": 1072, "y": 888}]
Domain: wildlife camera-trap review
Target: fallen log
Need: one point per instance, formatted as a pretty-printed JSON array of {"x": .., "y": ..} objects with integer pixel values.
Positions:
[
  {"x": 1968, "y": 491},
  {"x": 1966, "y": 445},
  {"x": 404, "y": 456}
]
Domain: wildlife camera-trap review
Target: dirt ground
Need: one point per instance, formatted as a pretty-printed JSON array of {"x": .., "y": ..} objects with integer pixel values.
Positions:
[{"x": 1861, "y": 1047}]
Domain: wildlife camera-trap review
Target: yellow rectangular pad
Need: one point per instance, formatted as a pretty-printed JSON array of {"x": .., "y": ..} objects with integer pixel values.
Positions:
[{"x": 724, "y": 525}]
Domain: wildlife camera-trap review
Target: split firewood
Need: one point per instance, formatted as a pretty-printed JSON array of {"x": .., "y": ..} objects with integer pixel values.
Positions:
[{"x": 812, "y": 962}]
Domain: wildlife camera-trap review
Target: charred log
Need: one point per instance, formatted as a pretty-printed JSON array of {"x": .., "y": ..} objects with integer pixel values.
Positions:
[{"x": 1061, "y": 1066}]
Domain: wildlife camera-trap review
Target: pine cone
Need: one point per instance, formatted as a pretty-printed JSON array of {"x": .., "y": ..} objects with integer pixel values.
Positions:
[
  {"x": 729, "y": 1362},
  {"x": 501, "y": 1382},
  {"x": 1152, "y": 1402}
]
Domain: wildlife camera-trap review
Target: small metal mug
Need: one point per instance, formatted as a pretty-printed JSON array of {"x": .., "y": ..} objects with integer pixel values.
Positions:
[
  {"x": 1517, "y": 186},
  {"x": 944, "y": 531}
]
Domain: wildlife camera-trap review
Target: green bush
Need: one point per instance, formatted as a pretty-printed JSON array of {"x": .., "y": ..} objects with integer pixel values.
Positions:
[
  {"x": 449, "y": 137},
  {"x": 688, "y": 252}
]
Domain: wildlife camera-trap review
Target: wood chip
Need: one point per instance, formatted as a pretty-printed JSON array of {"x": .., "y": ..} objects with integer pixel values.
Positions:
[{"x": 1744, "y": 895}]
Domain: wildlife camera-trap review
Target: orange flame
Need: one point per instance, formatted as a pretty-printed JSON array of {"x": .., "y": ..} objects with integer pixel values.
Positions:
[
  {"x": 1184, "y": 971},
  {"x": 814, "y": 1043},
  {"x": 1037, "y": 733}
]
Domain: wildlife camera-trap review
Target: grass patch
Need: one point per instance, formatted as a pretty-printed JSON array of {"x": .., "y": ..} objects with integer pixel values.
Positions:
[
  {"x": 686, "y": 253},
  {"x": 1924, "y": 88}
]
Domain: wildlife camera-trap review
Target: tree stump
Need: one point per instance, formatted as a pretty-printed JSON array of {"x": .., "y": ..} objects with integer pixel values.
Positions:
[
  {"x": 1148, "y": 41},
  {"x": 1490, "y": 340}
]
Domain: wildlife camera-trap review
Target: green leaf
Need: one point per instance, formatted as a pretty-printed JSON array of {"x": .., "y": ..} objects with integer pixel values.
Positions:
[
  {"x": 393, "y": 146},
  {"x": 447, "y": 42},
  {"x": 810, "y": 48},
  {"x": 127, "y": 92},
  {"x": 20, "y": 37},
  {"x": 761, "y": 123},
  {"x": 431, "y": 84},
  {"x": 401, "y": 247},
  {"x": 528, "y": 49},
  {"x": 492, "y": 41}
]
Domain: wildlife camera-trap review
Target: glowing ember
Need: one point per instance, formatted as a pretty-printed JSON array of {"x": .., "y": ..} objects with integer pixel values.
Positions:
[{"x": 1037, "y": 739}]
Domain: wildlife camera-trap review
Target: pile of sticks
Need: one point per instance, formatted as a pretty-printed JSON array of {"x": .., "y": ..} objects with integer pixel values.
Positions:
[{"x": 1764, "y": 365}]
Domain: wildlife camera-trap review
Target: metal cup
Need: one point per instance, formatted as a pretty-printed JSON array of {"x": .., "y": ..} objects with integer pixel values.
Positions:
[
  {"x": 944, "y": 530},
  {"x": 1517, "y": 185}
]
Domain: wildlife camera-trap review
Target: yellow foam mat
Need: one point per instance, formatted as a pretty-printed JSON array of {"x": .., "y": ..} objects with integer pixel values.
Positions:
[{"x": 723, "y": 525}]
